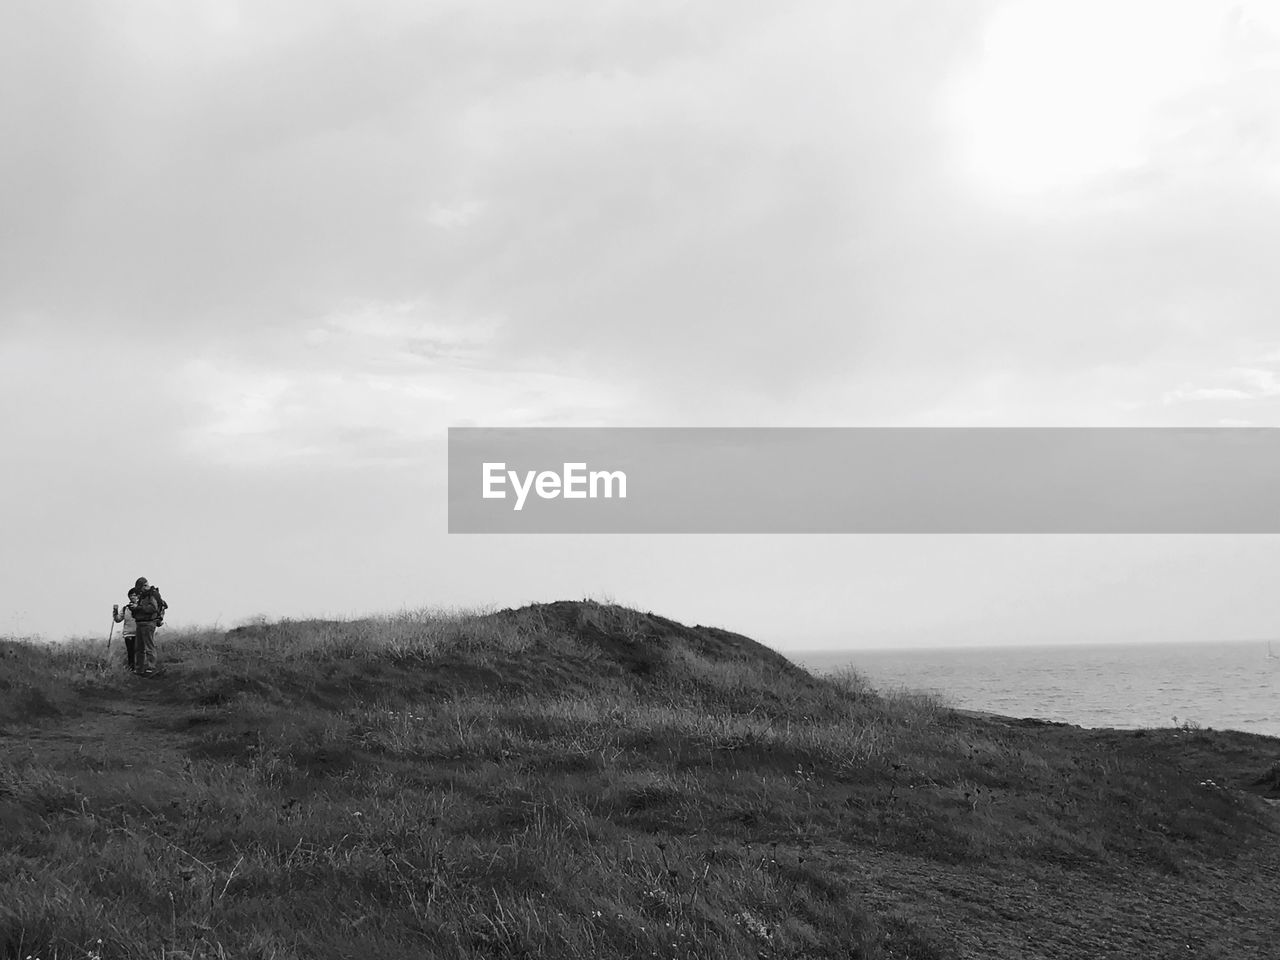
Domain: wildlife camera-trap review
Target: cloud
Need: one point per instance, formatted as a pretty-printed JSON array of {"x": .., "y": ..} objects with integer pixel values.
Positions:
[
  {"x": 257, "y": 257},
  {"x": 1206, "y": 393},
  {"x": 1075, "y": 104},
  {"x": 412, "y": 327},
  {"x": 452, "y": 216},
  {"x": 672, "y": 192},
  {"x": 377, "y": 383},
  {"x": 734, "y": 209},
  {"x": 1253, "y": 384}
]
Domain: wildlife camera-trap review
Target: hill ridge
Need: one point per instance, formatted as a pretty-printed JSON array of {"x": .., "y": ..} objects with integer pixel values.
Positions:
[{"x": 509, "y": 784}]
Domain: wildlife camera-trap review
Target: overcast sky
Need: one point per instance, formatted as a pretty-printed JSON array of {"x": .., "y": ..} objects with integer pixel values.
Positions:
[{"x": 255, "y": 258}]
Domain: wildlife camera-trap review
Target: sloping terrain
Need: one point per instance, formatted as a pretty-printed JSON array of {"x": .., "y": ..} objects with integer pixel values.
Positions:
[{"x": 583, "y": 780}]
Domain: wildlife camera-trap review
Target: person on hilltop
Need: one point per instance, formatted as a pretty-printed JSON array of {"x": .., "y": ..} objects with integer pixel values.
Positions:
[
  {"x": 142, "y": 585},
  {"x": 148, "y": 613},
  {"x": 130, "y": 628}
]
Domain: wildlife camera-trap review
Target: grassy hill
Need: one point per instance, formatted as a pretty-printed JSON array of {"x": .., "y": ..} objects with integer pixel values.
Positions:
[{"x": 583, "y": 780}]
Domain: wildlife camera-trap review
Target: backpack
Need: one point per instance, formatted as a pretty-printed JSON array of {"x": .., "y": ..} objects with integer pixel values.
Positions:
[{"x": 161, "y": 606}]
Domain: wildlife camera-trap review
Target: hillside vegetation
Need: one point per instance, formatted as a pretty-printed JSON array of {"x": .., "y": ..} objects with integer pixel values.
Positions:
[{"x": 578, "y": 780}]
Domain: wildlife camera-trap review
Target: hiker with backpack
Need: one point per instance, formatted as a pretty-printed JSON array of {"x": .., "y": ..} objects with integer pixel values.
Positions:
[
  {"x": 148, "y": 613},
  {"x": 130, "y": 628}
]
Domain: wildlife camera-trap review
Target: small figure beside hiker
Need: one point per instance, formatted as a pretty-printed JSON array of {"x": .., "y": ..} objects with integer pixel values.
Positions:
[
  {"x": 140, "y": 616},
  {"x": 130, "y": 629}
]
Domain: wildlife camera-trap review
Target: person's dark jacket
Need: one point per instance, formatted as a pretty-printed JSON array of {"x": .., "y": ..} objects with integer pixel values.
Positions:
[{"x": 147, "y": 609}]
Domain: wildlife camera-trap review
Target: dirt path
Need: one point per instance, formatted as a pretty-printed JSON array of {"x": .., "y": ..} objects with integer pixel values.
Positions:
[{"x": 116, "y": 731}]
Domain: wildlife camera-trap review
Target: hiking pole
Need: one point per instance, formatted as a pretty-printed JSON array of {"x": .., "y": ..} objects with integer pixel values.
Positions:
[{"x": 110, "y": 635}]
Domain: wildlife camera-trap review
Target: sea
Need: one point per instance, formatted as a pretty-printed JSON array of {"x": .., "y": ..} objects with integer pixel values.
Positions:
[{"x": 1223, "y": 686}]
